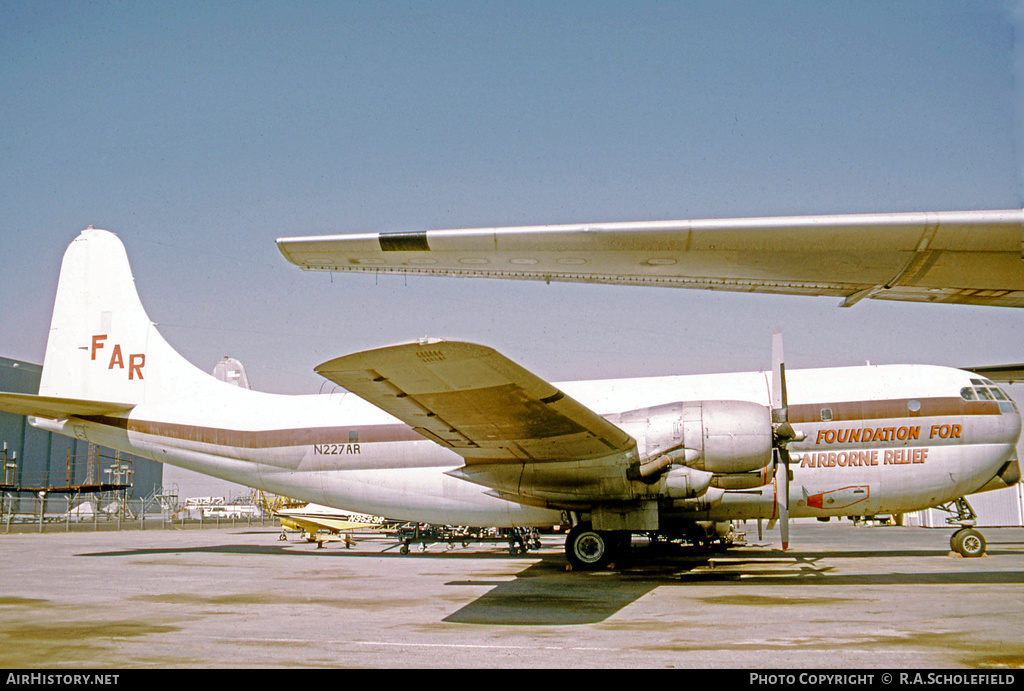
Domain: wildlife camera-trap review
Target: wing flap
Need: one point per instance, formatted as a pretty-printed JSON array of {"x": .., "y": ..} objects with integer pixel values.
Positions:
[
  {"x": 56, "y": 408},
  {"x": 475, "y": 401}
]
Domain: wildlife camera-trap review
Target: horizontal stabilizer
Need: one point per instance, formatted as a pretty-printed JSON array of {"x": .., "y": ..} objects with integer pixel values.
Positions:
[{"x": 56, "y": 408}]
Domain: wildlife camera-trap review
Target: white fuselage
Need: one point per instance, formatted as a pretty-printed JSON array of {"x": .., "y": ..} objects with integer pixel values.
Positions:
[{"x": 882, "y": 439}]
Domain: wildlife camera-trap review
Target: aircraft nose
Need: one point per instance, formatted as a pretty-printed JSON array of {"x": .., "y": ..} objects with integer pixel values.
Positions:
[{"x": 1013, "y": 422}]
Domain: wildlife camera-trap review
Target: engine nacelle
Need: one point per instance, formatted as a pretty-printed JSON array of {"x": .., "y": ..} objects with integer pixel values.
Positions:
[
  {"x": 718, "y": 436},
  {"x": 686, "y": 483},
  {"x": 755, "y": 478},
  {"x": 705, "y": 502}
]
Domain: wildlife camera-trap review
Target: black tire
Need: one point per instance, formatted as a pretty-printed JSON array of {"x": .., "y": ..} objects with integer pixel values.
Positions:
[
  {"x": 699, "y": 540},
  {"x": 588, "y": 549},
  {"x": 954, "y": 539},
  {"x": 969, "y": 543}
]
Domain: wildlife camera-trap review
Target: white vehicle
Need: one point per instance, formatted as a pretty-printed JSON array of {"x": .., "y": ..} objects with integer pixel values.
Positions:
[{"x": 455, "y": 433}]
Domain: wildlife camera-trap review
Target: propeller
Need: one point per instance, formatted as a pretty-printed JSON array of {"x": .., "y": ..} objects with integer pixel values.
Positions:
[{"x": 782, "y": 434}]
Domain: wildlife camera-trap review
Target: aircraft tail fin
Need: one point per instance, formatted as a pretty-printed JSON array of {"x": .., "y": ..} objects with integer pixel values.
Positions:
[{"x": 102, "y": 346}]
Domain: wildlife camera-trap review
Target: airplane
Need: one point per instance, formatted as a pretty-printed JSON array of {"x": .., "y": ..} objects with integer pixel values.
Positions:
[
  {"x": 966, "y": 257},
  {"x": 455, "y": 433},
  {"x": 313, "y": 518}
]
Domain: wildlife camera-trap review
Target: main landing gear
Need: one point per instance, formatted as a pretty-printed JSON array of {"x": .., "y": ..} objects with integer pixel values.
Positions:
[
  {"x": 588, "y": 549},
  {"x": 966, "y": 541}
]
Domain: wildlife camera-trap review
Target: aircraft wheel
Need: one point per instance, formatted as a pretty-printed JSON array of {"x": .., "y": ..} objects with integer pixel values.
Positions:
[
  {"x": 969, "y": 543},
  {"x": 699, "y": 540},
  {"x": 954, "y": 539},
  {"x": 588, "y": 549},
  {"x": 404, "y": 549}
]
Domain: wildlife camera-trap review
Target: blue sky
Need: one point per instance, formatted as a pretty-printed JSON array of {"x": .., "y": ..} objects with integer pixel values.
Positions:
[{"x": 200, "y": 132}]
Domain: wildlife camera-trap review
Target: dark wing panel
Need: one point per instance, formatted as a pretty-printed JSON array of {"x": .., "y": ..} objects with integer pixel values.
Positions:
[{"x": 475, "y": 401}]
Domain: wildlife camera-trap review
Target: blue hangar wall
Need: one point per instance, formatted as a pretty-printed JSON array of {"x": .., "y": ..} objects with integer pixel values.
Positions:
[{"x": 43, "y": 455}]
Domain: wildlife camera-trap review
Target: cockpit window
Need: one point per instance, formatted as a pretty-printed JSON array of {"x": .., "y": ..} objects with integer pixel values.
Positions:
[{"x": 984, "y": 393}]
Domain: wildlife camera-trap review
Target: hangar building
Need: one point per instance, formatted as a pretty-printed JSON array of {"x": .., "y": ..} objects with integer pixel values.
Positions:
[{"x": 39, "y": 458}]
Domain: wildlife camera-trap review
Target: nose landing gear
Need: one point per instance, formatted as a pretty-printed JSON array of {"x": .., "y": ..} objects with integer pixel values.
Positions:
[{"x": 966, "y": 541}]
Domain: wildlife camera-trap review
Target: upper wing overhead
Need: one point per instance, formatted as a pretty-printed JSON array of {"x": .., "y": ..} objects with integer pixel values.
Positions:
[
  {"x": 1007, "y": 373},
  {"x": 971, "y": 257},
  {"x": 475, "y": 401},
  {"x": 57, "y": 408}
]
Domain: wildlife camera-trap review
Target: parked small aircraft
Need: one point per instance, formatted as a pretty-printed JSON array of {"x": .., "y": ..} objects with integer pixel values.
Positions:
[
  {"x": 455, "y": 433},
  {"x": 312, "y": 519}
]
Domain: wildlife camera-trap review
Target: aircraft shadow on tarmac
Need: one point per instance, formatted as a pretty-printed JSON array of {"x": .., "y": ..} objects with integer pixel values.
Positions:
[{"x": 545, "y": 593}]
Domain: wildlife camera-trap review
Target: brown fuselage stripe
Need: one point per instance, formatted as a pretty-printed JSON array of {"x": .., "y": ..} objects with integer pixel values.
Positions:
[
  {"x": 862, "y": 411},
  {"x": 257, "y": 439},
  {"x": 856, "y": 411}
]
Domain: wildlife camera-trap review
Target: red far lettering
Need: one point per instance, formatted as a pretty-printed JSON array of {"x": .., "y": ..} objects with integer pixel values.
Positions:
[
  {"x": 116, "y": 358},
  {"x": 97, "y": 343},
  {"x": 136, "y": 361}
]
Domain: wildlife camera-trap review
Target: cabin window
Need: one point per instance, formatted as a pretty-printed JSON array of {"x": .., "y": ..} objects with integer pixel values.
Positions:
[
  {"x": 826, "y": 415},
  {"x": 914, "y": 405},
  {"x": 353, "y": 436}
]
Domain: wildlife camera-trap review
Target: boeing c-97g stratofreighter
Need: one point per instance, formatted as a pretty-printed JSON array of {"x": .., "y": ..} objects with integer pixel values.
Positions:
[{"x": 455, "y": 433}]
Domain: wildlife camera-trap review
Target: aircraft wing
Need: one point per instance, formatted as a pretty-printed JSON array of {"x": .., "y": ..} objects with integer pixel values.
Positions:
[
  {"x": 57, "y": 408},
  {"x": 1004, "y": 373},
  {"x": 476, "y": 402},
  {"x": 971, "y": 257},
  {"x": 311, "y": 524}
]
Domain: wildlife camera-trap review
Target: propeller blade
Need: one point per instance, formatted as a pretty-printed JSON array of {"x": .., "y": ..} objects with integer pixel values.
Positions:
[
  {"x": 783, "y": 433},
  {"x": 784, "y": 501},
  {"x": 779, "y": 401}
]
